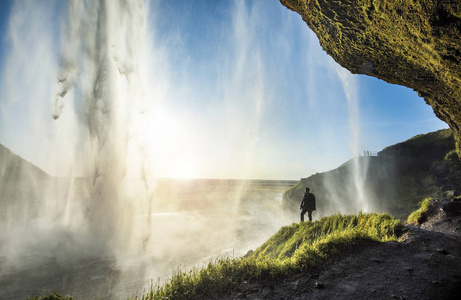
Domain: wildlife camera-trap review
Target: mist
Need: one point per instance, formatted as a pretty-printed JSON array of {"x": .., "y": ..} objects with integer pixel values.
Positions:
[
  {"x": 113, "y": 99},
  {"x": 96, "y": 99}
]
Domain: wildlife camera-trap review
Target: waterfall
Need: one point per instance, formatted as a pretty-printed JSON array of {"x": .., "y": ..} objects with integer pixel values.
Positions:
[
  {"x": 103, "y": 71},
  {"x": 360, "y": 166}
]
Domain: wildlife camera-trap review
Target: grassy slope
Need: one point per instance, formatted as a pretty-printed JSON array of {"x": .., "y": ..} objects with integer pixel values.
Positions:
[
  {"x": 395, "y": 181},
  {"x": 419, "y": 215},
  {"x": 292, "y": 249}
]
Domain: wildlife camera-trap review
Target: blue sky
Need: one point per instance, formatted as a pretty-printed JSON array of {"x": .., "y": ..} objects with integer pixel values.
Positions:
[{"x": 248, "y": 91}]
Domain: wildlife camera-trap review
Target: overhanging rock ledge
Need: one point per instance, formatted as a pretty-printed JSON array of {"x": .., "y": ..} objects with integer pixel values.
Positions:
[{"x": 415, "y": 43}]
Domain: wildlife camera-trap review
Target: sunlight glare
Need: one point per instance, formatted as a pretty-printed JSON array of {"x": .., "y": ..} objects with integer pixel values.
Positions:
[{"x": 173, "y": 146}]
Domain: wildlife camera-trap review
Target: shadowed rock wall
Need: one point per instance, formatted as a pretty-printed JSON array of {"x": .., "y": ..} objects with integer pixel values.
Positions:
[{"x": 415, "y": 43}]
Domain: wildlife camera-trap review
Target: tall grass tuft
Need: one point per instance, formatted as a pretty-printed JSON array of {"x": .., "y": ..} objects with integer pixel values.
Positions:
[
  {"x": 292, "y": 249},
  {"x": 419, "y": 216}
]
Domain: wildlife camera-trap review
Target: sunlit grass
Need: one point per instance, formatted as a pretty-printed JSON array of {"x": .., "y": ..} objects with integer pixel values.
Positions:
[
  {"x": 419, "y": 215},
  {"x": 292, "y": 249}
]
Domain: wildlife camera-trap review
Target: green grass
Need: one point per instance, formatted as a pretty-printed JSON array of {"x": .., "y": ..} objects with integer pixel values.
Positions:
[
  {"x": 420, "y": 215},
  {"x": 292, "y": 249}
]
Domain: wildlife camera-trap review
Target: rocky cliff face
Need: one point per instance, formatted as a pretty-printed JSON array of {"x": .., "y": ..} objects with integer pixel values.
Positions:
[{"x": 412, "y": 43}]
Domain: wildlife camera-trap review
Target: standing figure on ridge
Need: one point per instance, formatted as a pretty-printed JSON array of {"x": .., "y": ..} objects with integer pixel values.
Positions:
[{"x": 307, "y": 205}]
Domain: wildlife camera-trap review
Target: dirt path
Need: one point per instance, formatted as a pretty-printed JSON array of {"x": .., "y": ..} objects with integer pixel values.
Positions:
[{"x": 425, "y": 265}]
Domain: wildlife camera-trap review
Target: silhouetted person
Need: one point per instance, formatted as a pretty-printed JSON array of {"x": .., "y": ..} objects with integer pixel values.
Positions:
[{"x": 307, "y": 205}]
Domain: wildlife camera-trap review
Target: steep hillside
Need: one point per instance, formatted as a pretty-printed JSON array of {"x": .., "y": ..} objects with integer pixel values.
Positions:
[
  {"x": 395, "y": 181},
  {"x": 23, "y": 187}
]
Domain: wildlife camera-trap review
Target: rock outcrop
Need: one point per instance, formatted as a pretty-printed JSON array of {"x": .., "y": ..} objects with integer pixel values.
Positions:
[{"x": 412, "y": 43}]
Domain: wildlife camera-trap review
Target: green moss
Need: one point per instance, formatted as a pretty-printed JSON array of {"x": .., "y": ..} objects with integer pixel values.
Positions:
[
  {"x": 412, "y": 43},
  {"x": 452, "y": 156}
]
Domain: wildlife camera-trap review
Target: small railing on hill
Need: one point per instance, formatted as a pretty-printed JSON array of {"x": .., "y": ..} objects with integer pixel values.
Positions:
[{"x": 370, "y": 153}]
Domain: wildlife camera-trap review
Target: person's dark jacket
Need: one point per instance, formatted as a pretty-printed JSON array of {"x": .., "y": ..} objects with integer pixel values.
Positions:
[{"x": 308, "y": 202}]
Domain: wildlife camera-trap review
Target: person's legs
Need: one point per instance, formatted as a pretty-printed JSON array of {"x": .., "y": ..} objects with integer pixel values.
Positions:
[
  {"x": 302, "y": 215},
  {"x": 309, "y": 213}
]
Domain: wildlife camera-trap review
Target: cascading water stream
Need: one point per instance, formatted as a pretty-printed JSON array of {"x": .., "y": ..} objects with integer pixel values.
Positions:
[
  {"x": 360, "y": 165},
  {"x": 103, "y": 56}
]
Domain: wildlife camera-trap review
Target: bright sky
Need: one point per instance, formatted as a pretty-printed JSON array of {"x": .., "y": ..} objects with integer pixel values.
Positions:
[{"x": 249, "y": 93}]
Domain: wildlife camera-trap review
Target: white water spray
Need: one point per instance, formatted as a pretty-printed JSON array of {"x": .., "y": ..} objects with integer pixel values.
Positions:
[
  {"x": 112, "y": 122},
  {"x": 360, "y": 166},
  {"x": 104, "y": 68}
]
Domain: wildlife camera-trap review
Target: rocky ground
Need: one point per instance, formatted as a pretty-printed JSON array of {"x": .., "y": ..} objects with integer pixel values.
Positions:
[{"x": 426, "y": 264}]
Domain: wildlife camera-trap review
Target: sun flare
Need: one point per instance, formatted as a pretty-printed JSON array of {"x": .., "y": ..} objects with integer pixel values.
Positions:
[{"x": 172, "y": 145}]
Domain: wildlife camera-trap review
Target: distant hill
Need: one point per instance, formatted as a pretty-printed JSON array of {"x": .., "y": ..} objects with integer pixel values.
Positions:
[
  {"x": 395, "y": 181},
  {"x": 23, "y": 189}
]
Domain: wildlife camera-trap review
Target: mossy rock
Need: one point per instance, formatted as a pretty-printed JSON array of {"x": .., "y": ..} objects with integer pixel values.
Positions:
[{"x": 411, "y": 43}]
